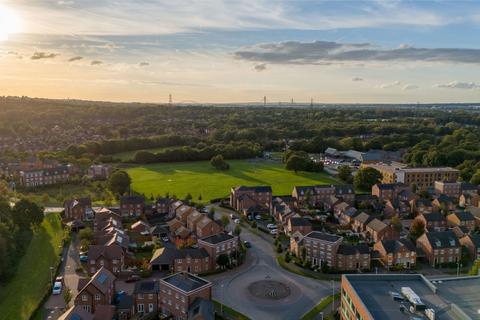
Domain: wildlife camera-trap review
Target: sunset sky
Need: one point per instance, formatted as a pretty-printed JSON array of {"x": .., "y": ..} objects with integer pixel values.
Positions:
[{"x": 241, "y": 50}]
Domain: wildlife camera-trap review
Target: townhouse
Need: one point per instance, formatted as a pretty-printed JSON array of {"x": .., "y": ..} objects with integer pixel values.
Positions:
[
  {"x": 182, "y": 294},
  {"x": 242, "y": 197},
  {"x": 377, "y": 230},
  {"x": 207, "y": 227},
  {"x": 45, "y": 176},
  {"x": 193, "y": 260},
  {"x": 400, "y": 252},
  {"x": 353, "y": 257},
  {"x": 132, "y": 206},
  {"x": 110, "y": 257},
  {"x": 219, "y": 244},
  {"x": 320, "y": 247},
  {"x": 421, "y": 206},
  {"x": 472, "y": 243},
  {"x": 318, "y": 195},
  {"x": 448, "y": 188},
  {"x": 146, "y": 297},
  {"x": 78, "y": 209},
  {"x": 440, "y": 247},
  {"x": 97, "y": 291},
  {"x": 463, "y": 219},
  {"x": 443, "y": 203},
  {"x": 433, "y": 221},
  {"x": 388, "y": 191},
  {"x": 298, "y": 224},
  {"x": 162, "y": 205},
  {"x": 99, "y": 171}
]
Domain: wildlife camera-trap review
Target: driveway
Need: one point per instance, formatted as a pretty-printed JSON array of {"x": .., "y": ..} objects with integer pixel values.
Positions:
[
  {"x": 55, "y": 304},
  {"x": 232, "y": 288}
]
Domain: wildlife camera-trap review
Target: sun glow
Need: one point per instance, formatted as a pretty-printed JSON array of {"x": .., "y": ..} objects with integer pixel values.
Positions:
[{"x": 9, "y": 22}]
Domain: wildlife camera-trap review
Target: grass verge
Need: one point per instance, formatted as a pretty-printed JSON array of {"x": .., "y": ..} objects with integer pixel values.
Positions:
[
  {"x": 319, "y": 307},
  {"x": 297, "y": 270},
  {"x": 231, "y": 312},
  {"x": 24, "y": 292}
]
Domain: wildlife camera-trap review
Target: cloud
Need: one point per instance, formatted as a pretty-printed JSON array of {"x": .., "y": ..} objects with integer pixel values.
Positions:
[
  {"x": 328, "y": 52},
  {"x": 389, "y": 85},
  {"x": 144, "y": 64},
  {"x": 75, "y": 59},
  {"x": 459, "y": 85},
  {"x": 260, "y": 67},
  {"x": 410, "y": 87},
  {"x": 96, "y": 62},
  {"x": 356, "y": 79},
  {"x": 43, "y": 55}
]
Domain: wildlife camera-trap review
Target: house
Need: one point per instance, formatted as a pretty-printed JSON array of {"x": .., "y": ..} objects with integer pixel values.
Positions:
[
  {"x": 400, "y": 252},
  {"x": 97, "y": 291},
  {"x": 182, "y": 295},
  {"x": 330, "y": 202},
  {"x": 207, "y": 227},
  {"x": 466, "y": 187},
  {"x": 283, "y": 208},
  {"x": 145, "y": 297},
  {"x": 320, "y": 247},
  {"x": 396, "y": 207},
  {"x": 353, "y": 257},
  {"x": 217, "y": 245},
  {"x": 76, "y": 313},
  {"x": 183, "y": 212},
  {"x": 448, "y": 188},
  {"x": 99, "y": 171},
  {"x": 109, "y": 257},
  {"x": 174, "y": 205},
  {"x": 421, "y": 206},
  {"x": 45, "y": 176},
  {"x": 298, "y": 224},
  {"x": 125, "y": 307},
  {"x": 472, "y": 242},
  {"x": 460, "y": 231},
  {"x": 141, "y": 228},
  {"x": 346, "y": 192},
  {"x": 193, "y": 218},
  {"x": 377, "y": 230},
  {"x": 162, "y": 205},
  {"x": 182, "y": 237},
  {"x": 132, "y": 206},
  {"x": 159, "y": 231},
  {"x": 367, "y": 201},
  {"x": 443, "y": 203},
  {"x": 388, "y": 191},
  {"x": 244, "y": 197},
  {"x": 469, "y": 199},
  {"x": 194, "y": 260},
  {"x": 360, "y": 221},
  {"x": 440, "y": 247},
  {"x": 78, "y": 209},
  {"x": 433, "y": 221},
  {"x": 344, "y": 212},
  {"x": 462, "y": 218}
]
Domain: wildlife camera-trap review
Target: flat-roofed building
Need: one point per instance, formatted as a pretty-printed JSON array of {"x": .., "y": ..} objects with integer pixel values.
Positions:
[{"x": 425, "y": 178}]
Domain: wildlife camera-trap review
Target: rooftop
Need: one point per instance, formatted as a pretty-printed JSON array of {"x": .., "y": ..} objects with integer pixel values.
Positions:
[
  {"x": 323, "y": 236},
  {"x": 217, "y": 238},
  {"x": 442, "y": 296},
  {"x": 186, "y": 282}
]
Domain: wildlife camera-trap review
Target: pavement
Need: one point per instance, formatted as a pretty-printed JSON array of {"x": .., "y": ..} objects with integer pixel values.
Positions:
[
  {"x": 55, "y": 304},
  {"x": 231, "y": 288}
]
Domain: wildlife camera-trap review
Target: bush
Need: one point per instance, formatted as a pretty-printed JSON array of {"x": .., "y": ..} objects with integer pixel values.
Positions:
[{"x": 288, "y": 258}]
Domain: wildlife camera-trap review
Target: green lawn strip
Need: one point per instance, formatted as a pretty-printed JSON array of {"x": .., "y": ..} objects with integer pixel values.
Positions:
[
  {"x": 319, "y": 307},
  {"x": 23, "y": 294},
  {"x": 231, "y": 312},
  {"x": 304, "y": 273},
  {"x": 129, "y": 155},
  {"x": 200, "y": 178}
]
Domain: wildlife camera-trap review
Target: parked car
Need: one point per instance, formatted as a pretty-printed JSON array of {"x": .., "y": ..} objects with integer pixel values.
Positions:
[
  {"x": 237, "y": 221},
  {"x": 83, "y": 258},
  {"x": 258, "y": 217},
  {"x": 247, "y": 244},
  {"x": 133, "y": 278},
  {"x": 249, "y": 218},
  {"x": 59, "y": 279},
  {"x": 271, "y": 226},
  {"x": 165, "y": 239},
  {"x": 273, "y": 231},
  {"x": 57, "y": 288},
  {"x": 232, "y": 216}
]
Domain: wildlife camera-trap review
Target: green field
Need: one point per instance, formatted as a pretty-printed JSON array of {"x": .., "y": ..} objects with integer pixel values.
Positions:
[
  {"x": 21, "y": 296},
  {"x": 200, "y": 178}
]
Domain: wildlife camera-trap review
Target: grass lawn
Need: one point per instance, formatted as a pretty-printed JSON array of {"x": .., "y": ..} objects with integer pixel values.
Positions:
[
  {"x": 129, "y": 155},
  {"x": 312, "y": 314},
  {"x": 200, "y": 178},
  {"x": 21, "y": 296}
]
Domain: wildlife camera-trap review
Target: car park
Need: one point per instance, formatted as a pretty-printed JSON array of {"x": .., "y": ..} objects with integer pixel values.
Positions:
[{"x": 57, "y": 288}]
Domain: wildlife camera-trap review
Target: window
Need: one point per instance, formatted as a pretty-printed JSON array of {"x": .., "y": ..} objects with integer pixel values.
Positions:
[
  {"x": 140, "y": 307},
  {"x": 84, "y": 297},
  {"x": 97, "y": 297}
]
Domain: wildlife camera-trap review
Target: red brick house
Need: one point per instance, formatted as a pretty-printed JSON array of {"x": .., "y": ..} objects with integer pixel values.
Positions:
[
  {"x": 194, "y": 260},
  {"x": 109, "y": 257},
  {"x": 377, "y": 230},
  {"x": 421, "y": 206},
  {"x": 78, "y": 209},
  {"x": 97, "y": 291},
  {"x": 207, "y": 227},
  {"x": 433, "y": 221},
  {"x": 243, "y": 197},
  {"x": 440, "y": 247},
  {"x": 472, "y": 243},
  {"x": 132, "y": 206},
  {"x": 298, "y": 224},
  {"x": 462, "y": 218},
  {"x": 145, "y": 297},
  {"x": 320, "y": 247},
  {"x": 401, "y": 252},
  {"x": 183, "y": 293},
  {"x": 353, "y": 257},
  {"x": 217, "y": 245}
]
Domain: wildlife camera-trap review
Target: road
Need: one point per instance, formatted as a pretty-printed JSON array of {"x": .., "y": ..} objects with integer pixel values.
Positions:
[
  {"x": 55, "y": 304},
  {"x": 232, "y": 287}
]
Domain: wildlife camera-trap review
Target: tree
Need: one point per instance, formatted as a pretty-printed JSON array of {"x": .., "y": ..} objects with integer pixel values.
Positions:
[
  {"x": 225, "y": 221},
  {"x": 396, "y": 223},
  {"x": 211, "y": 213},
  {"x": 219, "y": 163},
  {"x": 475, "y": 178},
  {"x": 417, "y": 229},
  {"x": 237, "y": 230},
  {"x": 86, "y": 234},
  {"x": 119, "y": 182},
  {"x": 27, "y": 213},
  {"x": 188, "y": 197},
  {"x": 295, "y": 163},
  {"x": 67, "y": 295},
  {"x": 223, "y": 260},
  {"x": 365, "y": 178},
  {"x": 345, "y": 173}
]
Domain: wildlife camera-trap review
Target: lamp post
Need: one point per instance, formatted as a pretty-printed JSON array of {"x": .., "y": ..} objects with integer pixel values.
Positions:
[
  {"x": 221, "y": 299},
  {"x": 51, "y": 274},
  {"x": 321, "y": 314},
  {"x": 333, "y": 296}
]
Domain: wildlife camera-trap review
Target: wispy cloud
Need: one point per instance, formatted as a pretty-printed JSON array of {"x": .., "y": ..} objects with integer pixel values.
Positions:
[
  {"x": 260, "y": 67},
  {"x": 357, "y": 79},
  {"x": 75, "y": 58},
  {"x": 459, "y": 85},
  {"x": 144, "y": 64},
  {"x": 389, "y": 85},
  {"x": 325, "y": 52},
  {"x": 43, "y": 55},
  {"x": 408, "y": 87},
  {"x": 96, "y": 62}
]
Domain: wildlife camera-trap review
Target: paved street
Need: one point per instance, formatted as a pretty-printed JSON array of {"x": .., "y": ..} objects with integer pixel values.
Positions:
[
  {"x": 231, "y": 287},
  {"x": 56, "y": 304}
]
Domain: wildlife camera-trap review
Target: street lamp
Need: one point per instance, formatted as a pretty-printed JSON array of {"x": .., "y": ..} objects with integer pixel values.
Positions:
[
  {"x": 51, "y": 274},
  {"x": 333, "y": 295},
  {"x": 321, "y": 314},
  {"x": 221, "y": 299},
  {"x": 459, "y": 265}
]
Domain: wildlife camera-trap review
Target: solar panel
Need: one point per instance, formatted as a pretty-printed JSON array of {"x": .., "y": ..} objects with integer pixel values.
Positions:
[{"x": 102, "y": 277}]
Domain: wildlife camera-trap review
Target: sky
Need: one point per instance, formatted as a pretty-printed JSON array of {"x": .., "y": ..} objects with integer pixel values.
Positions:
[{"x": 223, "y": 51}]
